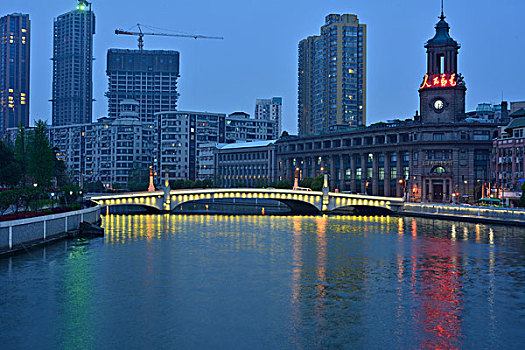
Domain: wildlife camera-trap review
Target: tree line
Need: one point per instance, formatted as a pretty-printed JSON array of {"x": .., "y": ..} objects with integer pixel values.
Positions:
[{"x": 28, "y": 168}]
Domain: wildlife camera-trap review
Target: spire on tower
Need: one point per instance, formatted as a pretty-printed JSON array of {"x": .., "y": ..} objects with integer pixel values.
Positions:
[{"x": 442, "y": 13}]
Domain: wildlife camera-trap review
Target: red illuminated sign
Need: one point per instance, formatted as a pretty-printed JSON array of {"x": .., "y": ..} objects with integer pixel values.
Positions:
[{"x": 439, "y": 81}]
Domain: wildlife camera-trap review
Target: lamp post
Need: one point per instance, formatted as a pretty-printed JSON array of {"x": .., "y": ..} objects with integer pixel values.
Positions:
[
  {"x": 403, "y": 182},
  {"x": 296, "y": 178},
  {"x": 466, "y": 188}
]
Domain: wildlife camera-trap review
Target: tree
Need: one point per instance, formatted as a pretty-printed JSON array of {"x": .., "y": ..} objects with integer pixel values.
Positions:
[
  {"x": 60, "y": 171},
  {"x": 21, "y": 149},
  {"x": 317, "y": 183},
  {"x": 138, "y": 179},
  {"x": 282, "y": 184},
  {"x": 41, "y": 159},
  {"x": 10, "y": 169},
  {"x": 94, "y": 187},
  {"x": 307, "y": 182}
]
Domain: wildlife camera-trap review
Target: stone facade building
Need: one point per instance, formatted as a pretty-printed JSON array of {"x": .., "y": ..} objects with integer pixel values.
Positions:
[
  {"x": 247, "y": 164},
  {"x": 436, "y": 157},
  {"x": 508, "y": 157}
]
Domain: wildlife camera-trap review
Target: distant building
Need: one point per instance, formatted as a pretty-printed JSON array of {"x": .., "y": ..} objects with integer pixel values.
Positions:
[
  {"x": 247, "y": 164},
  {"x": 515, "y": 106},
  {"x": 332, "y": 77},
  {"x": 108, "y": 150},
  {"x": 508, "y": 157},
  {"x": 206, "y": 160},
  {"x": 15, "y": 39},
  {"x": 488, "y": 113},
  {"x": 77, "y": 146},
  {"x": 178, "y": 136},
  {"x": 72, "y": 101},
  {"x": 148, "y": 77},
  {"x": 438, "y": 156},
  {"x": 270, "y": 109},
  {"x": 240, "y": 127}
]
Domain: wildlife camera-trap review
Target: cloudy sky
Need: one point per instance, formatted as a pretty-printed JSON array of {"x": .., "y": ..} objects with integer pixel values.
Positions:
[{"x": 258, "y": 57}]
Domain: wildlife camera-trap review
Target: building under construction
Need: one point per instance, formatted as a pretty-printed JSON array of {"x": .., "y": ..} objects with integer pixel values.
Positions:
[{"x": 146, "y": 76}]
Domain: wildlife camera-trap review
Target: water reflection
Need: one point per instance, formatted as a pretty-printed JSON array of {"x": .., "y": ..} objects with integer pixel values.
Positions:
[{"x": 172, "y": 281}]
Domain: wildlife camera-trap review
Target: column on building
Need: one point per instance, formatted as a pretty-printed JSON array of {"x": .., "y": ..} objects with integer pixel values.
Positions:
[
  {"x": 375, "y": 174},
  {"x": 352, "y": 173},
  {"x": 399, "y": 163},
  {"x": 364, "y": 157},
  {"x": 387, "y": 174},
  {"x": 333, "y": 172},
  {"x": 342, "y": 171}
]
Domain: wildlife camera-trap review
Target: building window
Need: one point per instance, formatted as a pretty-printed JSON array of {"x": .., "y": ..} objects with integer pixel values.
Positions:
[
  {"x": 438, "y": 170},
  {"x": 358, "y": 174},
  {"x": 437, "y": 137},
  {"x": 393, "y": 173},
  {"x": 381, "y": 174}
]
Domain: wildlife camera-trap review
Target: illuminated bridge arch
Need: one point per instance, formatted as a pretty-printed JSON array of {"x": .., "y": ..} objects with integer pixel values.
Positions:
[{"x": 299, "y": 202}]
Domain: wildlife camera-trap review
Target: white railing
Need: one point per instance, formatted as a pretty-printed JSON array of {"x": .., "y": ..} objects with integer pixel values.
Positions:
[{"x": 9, "y": 225}]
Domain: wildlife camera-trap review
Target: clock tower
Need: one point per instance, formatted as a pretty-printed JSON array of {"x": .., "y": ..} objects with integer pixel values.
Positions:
[{"x": 442, "y": 92}]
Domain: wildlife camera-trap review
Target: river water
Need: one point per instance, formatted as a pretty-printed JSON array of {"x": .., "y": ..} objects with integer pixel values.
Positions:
[{"x": 269, "y": 282}]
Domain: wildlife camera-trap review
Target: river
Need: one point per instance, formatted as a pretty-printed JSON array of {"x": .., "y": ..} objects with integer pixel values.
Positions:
[{"x": 269, "y": 282}]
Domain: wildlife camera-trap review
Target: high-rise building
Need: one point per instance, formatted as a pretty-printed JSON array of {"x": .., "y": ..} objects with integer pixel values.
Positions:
[
  {"x": 15, "y": 35},
  {"x": 177, "y": 140},
  {"x": 149, "y": 77},
  {"x": 240, "y": 127},
  {"x": 332, "y": 77},
  {"x": 109, "y": 150},
  {"x": 73, "y": 66},
  {"x": 270, "y": 109}
]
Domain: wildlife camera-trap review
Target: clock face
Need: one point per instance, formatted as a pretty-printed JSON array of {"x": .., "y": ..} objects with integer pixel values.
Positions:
[{"x": 438, "y": 105}]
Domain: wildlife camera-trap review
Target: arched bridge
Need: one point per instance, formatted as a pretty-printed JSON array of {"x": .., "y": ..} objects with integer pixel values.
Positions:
[{"x": 300, "y": 202}]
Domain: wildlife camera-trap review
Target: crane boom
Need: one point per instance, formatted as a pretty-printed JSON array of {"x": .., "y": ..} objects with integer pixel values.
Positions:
[{"x": 141, "y": 34}]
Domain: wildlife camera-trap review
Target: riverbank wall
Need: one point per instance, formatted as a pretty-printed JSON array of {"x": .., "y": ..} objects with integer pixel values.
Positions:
[
  {"x": 485, "y": 215},
  {"x": 20, "y": 234}
]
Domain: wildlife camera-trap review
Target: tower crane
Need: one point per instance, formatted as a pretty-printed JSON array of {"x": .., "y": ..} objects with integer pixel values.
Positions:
[{"x": 141, "y": 34}]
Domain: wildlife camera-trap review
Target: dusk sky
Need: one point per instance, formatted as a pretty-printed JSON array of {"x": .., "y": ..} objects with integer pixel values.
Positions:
[{"x": 258, "y": 57}]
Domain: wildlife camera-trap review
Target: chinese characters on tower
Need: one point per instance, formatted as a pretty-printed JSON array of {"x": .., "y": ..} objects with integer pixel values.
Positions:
[{"x": 439, "y": 81}]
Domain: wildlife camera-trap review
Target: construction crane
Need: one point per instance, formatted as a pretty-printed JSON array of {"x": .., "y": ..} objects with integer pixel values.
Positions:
[{"x": 141, "y": 34}]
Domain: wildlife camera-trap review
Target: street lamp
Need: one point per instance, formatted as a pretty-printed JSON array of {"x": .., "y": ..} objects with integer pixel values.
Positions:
[
  {"x": 296, "y": 178},
  {"x": 403, "y": 182}
]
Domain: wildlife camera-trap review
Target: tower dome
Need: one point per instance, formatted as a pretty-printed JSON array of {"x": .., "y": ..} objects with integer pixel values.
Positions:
[{"x": 442, "y": 36}]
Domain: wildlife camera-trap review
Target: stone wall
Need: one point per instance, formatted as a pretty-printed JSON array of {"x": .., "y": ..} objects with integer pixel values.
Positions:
[{"x": 15, "y": 233}]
